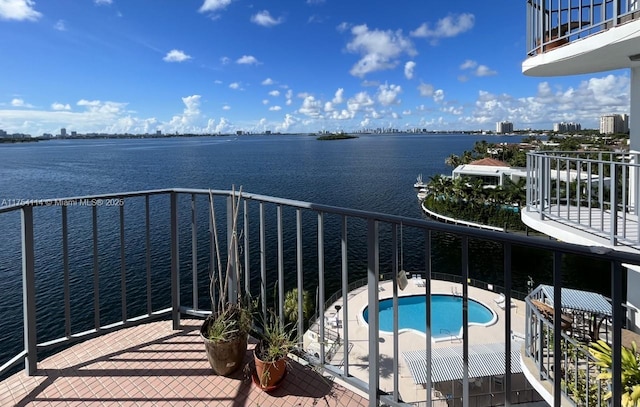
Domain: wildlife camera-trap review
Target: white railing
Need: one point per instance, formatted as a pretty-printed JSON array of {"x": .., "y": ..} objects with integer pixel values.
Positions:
[
  {"x": 552, "y": 23},
  {"x": 576, "y": 189},
  {"x": 146, "y": 254}
]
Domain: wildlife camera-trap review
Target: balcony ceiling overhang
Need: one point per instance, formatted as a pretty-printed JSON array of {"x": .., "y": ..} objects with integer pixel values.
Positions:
[{"x": 600, "y": 52}]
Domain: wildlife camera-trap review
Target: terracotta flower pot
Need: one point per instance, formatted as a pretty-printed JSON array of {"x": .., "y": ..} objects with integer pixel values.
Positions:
[{"x": 269, "y": 374}]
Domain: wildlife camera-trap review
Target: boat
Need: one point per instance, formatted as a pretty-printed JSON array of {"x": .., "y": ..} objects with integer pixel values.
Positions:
[
  {"x": 422, "y": 194},
  {"x": 419, "y": 183}
]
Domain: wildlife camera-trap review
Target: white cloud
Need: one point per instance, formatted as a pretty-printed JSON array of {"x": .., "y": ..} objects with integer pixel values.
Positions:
[
  {"x": 275, "y": 108},
  {"x": 225, "y": 60},
  {"x": 287, "y": 123},
  {"x": 60, "y": 26},
  {"x": 338, "y": 97},
  {"x": 60, "y": 106},
  {"x": 328, "y": 107},
  {"x": 477, "y": 70},
  {"x": 315, "y": 1},
  {"x": 408, "y": 69},
  {"x": 187, "y": 122},
  {"x": 311, "y": 107},
  {"x": 176, "y": 55},
  {"x": 247, "y": 60},
  {"x": 265, "y": 101},
  {"x": 359, "y": 102},
  {"x": 388, "y": 94},
  {"x": 214, "y": 5},
  {"x": 20, "y": 10},
  {"x": 438, "y": 95},
  {"x": 449, "y": 26},
  {"x": 16, "y": 102},
  {"x": 468, "y": 64},
  {"x": 425, "y": 89},
  {"x": 265, "y": 19},
  {"x": 226, "y": 107},
  {"x": 379, "y": 49},
  {"x": 268, "y": 81},
  {"x": 342, "y": 27},
  {"x": 274, "y": 93},
  {"x": 484, "y": 70},
  {"x": 218, "y": 82},
  {"x": 102, "y": 2},
  {"x": 234, "y": 85},
  {"x": 289, "y": 96}
]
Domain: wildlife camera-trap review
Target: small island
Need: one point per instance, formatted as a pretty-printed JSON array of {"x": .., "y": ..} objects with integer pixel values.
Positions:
[{"x": 338, "y": 136}]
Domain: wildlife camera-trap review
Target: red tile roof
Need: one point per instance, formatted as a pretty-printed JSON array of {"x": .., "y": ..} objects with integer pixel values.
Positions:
[{"x": 490, "y": 162}]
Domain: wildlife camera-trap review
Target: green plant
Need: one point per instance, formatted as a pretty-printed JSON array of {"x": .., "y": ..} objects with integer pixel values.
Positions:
[
  {"x": 602, "y": 353},
  {"x": 291, "y": 305},
  {"x": 276, "y": 340},
  {"x": 230, "y": 317}
]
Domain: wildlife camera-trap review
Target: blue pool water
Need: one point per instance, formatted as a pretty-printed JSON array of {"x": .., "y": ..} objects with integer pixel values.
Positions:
[{"x": 446, "y": 315}]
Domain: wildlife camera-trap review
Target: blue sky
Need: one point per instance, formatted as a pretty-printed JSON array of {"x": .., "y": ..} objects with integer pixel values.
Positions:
[{"x": 217, "y": 66}]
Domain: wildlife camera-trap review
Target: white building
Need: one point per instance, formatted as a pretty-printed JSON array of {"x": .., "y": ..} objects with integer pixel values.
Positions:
[
  {"x": 572, "y": 38},
  {"x": 504, "y": 127},
  {"x": 563, "y": 127},
  {"x": 492, "y": 172},
  {"x": 614, "y": 123}
]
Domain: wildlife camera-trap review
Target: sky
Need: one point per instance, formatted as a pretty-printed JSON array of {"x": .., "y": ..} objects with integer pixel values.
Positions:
[{"x": 291, "y": 66}]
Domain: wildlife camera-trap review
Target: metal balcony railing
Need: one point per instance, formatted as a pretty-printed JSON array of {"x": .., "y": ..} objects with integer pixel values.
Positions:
[
  {"x": 90, "y": 265},
  {"x": 552, "y": 23},
  {"x": 596, "y": 192}
]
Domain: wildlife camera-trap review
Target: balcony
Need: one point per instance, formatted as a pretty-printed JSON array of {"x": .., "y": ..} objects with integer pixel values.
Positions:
[
  {"x": 569, "y": 197},
  {"x": 602, "y": 35},
  {"x": 126, "y": 276}
]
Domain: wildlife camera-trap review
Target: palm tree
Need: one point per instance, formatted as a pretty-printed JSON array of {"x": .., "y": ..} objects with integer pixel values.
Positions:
[
  {"x": 453, "y": 161},
  {"x": 291, "y": 305},
  {"x": 630, "y": 358}
]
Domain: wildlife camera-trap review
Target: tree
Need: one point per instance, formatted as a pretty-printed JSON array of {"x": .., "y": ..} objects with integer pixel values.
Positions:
[
  {"x": 602, "y": 352},
  {"x": 291, "y": 305}
]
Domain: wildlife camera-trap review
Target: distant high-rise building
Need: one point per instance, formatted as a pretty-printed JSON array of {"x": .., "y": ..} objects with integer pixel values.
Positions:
[
  {"x": 504, "y": 127},
  {"x": 63, "y": 132},
  {"x": 563, "y": 127},
  {"x": 158, "y": 132},
  {"x": 614, "y": 123}
]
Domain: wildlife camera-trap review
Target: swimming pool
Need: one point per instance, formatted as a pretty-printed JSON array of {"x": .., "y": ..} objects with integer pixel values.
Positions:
[{"x": 446, "y": 315}]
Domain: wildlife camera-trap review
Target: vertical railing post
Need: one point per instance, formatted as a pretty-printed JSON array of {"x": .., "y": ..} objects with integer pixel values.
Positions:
[
  {"x": 280, "y": 264},
  {"x": 613, "y": 199},
  {"x": 96, "y": 269},
  {"x": 263, "y": 262},
  {"x": 147, "y": 239},
  {"x": 507, "y": 324},
  {"x": 29, "y": 292},
  {"x": 396, "y": 339},
  {"x": 321, "y": 292},
  {"x": 616, "y": 340},
  {"x": 194, "y": 252},
  {"x": 557, "y": 328},
  {"x": 175, "y": 263},
  {"x": 345, "y": 290},
  {"x": 300, "y": 274},
  {"x": 374, "y": 308},
  {"x": 465, "y": 321},
  {"x": 65, "y": 270},
  {"x": 232, "y": 250},
  {"x": 123, "y": 267},
  {"x": 428, "y": 332}
]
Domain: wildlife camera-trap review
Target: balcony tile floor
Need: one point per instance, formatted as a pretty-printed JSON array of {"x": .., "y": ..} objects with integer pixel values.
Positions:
[{"x": 153, "y": 365}]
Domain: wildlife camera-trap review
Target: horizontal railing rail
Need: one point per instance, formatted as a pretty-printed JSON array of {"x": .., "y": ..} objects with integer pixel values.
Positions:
[
  {"x": 595, "y": 192},
  {"x": 552, "y": 23},
  {"x": 152, "y": 251}
]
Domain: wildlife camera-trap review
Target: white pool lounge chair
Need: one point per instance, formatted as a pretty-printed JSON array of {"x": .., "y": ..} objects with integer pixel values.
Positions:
[{"x": 499, "y": 300}]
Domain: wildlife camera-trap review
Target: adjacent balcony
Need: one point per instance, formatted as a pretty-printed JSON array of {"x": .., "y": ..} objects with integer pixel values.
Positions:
[
  {"x": 127, "y": 276},
  {"x": 588, "y": 198},
  {"x": 601, "y": 28}
]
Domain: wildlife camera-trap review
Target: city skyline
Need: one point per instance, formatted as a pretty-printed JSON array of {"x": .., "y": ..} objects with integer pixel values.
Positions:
[{"x": 221, "y": 66}]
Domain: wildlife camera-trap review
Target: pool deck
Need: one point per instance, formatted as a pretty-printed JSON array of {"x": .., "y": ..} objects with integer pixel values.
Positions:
[{"x": 412, "y": 340}]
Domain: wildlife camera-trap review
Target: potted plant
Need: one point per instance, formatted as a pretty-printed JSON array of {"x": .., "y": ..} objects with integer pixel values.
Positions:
[
  {"x": 270, "y": 354},
  {"x": 226, "y": 330}
]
